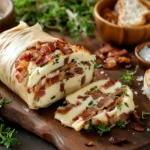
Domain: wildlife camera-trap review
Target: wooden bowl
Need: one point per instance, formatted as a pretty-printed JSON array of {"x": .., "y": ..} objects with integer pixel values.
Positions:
[
  {"x": 142, "y": 62},
  {"x": 118, "y": 34},
  {"x": 7, "y": 12}
]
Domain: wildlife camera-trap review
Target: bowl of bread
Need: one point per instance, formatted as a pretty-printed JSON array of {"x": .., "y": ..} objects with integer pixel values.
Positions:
[{"x": 123, "y": 22}]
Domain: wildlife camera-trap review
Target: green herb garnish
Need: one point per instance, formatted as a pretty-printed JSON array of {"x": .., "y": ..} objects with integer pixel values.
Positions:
[
  {"x": 121, "y": 124},
  {"x": 127, "y": 76},
  {"x": 90, "y": 103},
  {"x": 126, "y": 104},
  {"x": 62, "y": 15},
  {"x": 144, "y": 114},
  {"x": 93, "y": 88},
  {"x": 56, "y": 60},
  {"x": 6, "y": 133},
  {"x": 53, "y": 97},
  {"x": 100, "y": 129},
  {"x": 43, "y": 65},
  {"x": 119, "y": 106},
  {"x": 98, "y": 66}
]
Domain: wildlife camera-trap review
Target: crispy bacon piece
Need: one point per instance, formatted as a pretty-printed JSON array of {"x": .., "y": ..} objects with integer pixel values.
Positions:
[
  {"x": 65, "y": 109},
  {"x": 123, "y": 60},
  {"x": 88, "y": 113},
  {"x": 54, "y": 79},
  {"x": 117, "y": 140},
  {"x": 105, "y": 102},
  {"x": 136, "y": 116},
  {"x": 62, "y": 87},
  {"x": 66, "y": 60},
  {"x": 110, "y": 56},
  {"x": 109, "y": 84},
  {"x": 110, "y": 62},
  {"x": 66, "y": 50},
  {"x": 137, "y": 126},
  {"x": 82, "y": 97},
  {"x": 117, "y": 53},
  {"x": 78, "y": 70},
  {"x": 83, "y": 80},
  {"x": 86, "y": 63},
  {"x": 40, "y": 93}
]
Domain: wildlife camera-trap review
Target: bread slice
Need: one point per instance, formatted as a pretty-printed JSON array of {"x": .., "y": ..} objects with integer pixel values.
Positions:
[
  {"x": 147, "y": 83},
  {"x": 132, "y": 13}
]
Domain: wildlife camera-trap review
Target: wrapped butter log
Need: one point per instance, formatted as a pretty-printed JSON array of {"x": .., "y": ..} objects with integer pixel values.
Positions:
[
  {"x": 42, "y": 69},
  {"x": 103, "y": 102}
]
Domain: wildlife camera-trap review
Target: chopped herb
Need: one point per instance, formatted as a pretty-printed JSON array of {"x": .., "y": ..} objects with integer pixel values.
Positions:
[
  {"x": 107, "y": 94},
  {"x": 126, "y": 104},
  {"x": 98, "y": 66},
  {"x": 119, "y": 106},
  {"x": 127, "y": 77},
  {"x": 117, "y": 96},
  {"x": 126, "y": 94},
  {"x": 2, "y": 102},
  {"x": 38, "y": 72},
  {"x": 91, "y": 103},
  {"x": 90, "y": 127},
  {"x": 100, "y": 129},
  {"x": 73, "y": 60},
  {"x": 53, "y": 97},
  {"x": 121, "y": 124},
  {"x": 43, "y": 65},
  {"x": 123, "y": 86},
  {"x": 93, "y": 88},
  {"x": 25, "y": 75},
  {"x": 56, "y": 60},
  {"x": 144, "y": 114}
]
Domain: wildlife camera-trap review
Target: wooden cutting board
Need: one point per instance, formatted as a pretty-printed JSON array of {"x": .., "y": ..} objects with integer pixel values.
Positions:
[{"x": 42, "y": 122}]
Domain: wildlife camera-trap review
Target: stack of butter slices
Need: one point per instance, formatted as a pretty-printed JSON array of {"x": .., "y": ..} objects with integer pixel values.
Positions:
[{"x": 103, "y": 102}]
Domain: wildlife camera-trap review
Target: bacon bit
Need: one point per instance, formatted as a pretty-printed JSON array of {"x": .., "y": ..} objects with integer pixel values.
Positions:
[
  {"x": 109, "y": 84},
  {"x": 66, "y": 50},
  {"x": 64, "y": 110},
  {"x": 88, "y": 113},
  {"x": 90, "y": 144},
  {"x": 117, "y": 140},
  {"x": 62, "y": 87},
  {"x": 38, "y": 45},
  {"x": 82, "y": 97},
  {"x": 117, "y": 53},
  {"x": 83, "y": 80},
  {"x": 69, "y": 75},
  {"x": 105, "y": 102},
  {"x": 123, "y": 60},
  {"x": 78, "y": 103},
  {"x": 78, "y": 70},
  {"x": 101, "y": 56},
  {"x": 37, "y": 87},
  {"x": 44, "y": 50},
  {"x": 19, "y": 77},
  {"x": 66, "y": 60},
  {"x": 136, "y": 116},
  {"x": 86, "y": 63},
  {"x": 109, "y": 63},
  {"x": 106, "y": 48},
  {"x": 29, "y": 90},
  {"x": 54, "y": 79},
  {"x": 51, "y": 46},
  {"x": 137, "y": 126},
  {"x": 40, "y": 93}
]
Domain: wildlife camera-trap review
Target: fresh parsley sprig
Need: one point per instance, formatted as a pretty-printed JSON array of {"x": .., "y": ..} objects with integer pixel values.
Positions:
[
  {"x": 75, "y": 15},
  {"x": 127, "y": 76},
  {"x": 6, "y": 133}
]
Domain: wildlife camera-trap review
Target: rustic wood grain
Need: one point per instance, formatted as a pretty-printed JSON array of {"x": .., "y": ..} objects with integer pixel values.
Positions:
[{"x": 42, "y": 122}]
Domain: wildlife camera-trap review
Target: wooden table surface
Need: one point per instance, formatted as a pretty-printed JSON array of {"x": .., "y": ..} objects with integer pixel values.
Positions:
[{"x": 42, "y": 123}]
